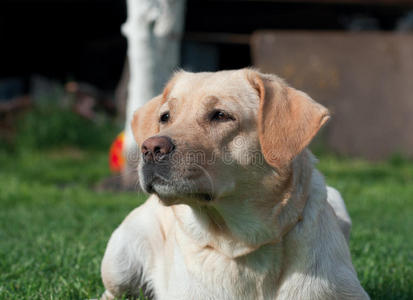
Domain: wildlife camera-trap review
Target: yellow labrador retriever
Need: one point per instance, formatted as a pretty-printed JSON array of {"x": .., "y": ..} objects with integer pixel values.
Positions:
[{"x": 238, "y": 210}]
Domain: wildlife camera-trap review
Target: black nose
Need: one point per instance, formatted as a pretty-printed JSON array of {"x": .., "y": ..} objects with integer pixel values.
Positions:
[{"x": 156, "y": 148}]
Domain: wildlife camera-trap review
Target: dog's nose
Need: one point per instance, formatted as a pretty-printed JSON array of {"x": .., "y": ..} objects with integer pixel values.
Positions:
[{"x": 157, "y": 147}]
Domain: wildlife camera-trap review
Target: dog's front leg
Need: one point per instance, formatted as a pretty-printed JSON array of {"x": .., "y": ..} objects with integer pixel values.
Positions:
[{"x": 126, "y": 266}]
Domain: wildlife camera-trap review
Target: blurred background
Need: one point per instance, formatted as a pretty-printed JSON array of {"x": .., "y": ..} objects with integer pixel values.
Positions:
[
  {"x": 73, "y": 71},
  {"x": 354, "y": 56}
]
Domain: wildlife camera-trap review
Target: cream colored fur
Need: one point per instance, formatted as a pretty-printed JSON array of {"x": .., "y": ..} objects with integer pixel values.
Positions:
[{"x": 272, "y": 230}]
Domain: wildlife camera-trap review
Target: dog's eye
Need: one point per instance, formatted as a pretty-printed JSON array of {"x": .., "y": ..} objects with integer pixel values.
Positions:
[
  {"x": 164, "y": 117},
  {"x": 220, "y": 116}
]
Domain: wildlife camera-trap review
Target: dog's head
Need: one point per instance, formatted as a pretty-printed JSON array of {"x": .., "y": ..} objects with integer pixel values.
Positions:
[{"x": 210, "y": 135}]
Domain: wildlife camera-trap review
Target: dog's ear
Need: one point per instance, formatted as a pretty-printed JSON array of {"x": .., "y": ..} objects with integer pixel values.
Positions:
[
  {"x": 288, "y": 119},
  {"x": 145, "y": 121}
]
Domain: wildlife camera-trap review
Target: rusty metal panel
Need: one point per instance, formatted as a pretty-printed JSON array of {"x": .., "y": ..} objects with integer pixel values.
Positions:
[{"x": 365, "y": 79}]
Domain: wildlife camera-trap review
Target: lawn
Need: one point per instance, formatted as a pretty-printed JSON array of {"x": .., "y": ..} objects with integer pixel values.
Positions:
[{"x": 54, "y": 225}]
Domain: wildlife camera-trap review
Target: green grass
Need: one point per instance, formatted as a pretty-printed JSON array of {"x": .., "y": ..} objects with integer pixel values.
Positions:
[
  {"x": 54, "y": 226},
  {"x": 379, "y": 198}
]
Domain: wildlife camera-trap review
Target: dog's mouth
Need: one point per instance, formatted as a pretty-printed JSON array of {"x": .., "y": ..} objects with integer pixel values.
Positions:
[
  {"x": 172, "y": 185},
  {"x": 170, "y": 192},
  {"x": 149, "y": 186}
]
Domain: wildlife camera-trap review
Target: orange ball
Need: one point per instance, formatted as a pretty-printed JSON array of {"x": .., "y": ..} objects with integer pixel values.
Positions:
[{"x": 116, "y": 157}]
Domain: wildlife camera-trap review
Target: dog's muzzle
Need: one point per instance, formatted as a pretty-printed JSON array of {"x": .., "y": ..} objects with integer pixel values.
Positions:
[{"x": 156, "y": 152}]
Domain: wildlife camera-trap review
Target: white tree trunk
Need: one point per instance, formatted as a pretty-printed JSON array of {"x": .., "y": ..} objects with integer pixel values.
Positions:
[{"x": 153, "y": 29}]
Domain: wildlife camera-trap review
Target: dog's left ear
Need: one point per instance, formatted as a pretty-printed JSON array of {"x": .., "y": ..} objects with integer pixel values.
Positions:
[
  {"x": 145, "y": 121},
  {"x": 288, "y": 119}
]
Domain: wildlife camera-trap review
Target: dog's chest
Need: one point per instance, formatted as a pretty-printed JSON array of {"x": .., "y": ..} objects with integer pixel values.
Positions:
[{"x": 189, "y": 272}]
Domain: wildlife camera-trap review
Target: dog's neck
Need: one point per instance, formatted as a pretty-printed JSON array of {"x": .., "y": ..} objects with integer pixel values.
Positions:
[{"x": 237, "y": 226}]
